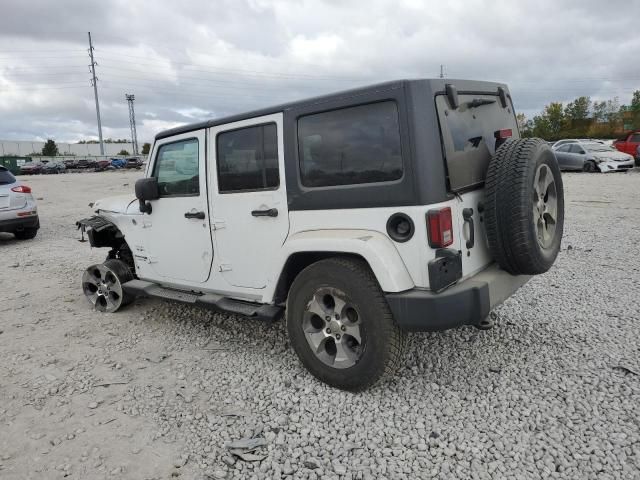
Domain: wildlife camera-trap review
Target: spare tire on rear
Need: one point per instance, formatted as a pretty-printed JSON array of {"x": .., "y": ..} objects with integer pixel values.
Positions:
[{"x": 524, "y": 206}]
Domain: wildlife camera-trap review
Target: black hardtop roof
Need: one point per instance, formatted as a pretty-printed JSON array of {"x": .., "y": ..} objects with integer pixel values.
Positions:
[{"x": 434, "y": 85}]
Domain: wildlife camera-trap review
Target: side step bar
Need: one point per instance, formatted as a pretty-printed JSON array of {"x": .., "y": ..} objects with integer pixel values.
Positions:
[{"x": 142, "y": 288}]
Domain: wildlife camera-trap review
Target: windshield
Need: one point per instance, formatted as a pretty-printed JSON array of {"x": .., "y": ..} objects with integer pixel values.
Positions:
[
  {"x": 468, "y": 135},
  {"x": 597, "y": 147}
]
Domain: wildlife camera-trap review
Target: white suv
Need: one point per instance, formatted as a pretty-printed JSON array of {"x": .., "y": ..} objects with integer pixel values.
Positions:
[{"x": 405, "y": 206}]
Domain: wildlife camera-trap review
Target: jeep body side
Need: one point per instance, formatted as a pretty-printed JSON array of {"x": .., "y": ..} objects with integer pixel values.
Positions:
[{"x": 388, "y": 178}]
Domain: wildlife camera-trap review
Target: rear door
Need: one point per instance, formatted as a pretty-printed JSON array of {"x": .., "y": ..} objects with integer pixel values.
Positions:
[
  {"x": 632, "y": 144},
  {"x": 470, "y": 135},
  {"x": 249, "y": 198}
]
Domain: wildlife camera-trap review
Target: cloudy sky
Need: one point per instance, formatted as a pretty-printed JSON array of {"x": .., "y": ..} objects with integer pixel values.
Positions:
[{"x": 190, "y": 60}]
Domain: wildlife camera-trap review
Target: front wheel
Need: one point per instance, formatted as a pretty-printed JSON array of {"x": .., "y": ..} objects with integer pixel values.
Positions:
[
  {"x": 340, "y": 325},
  {"x": 102, "y": 285}
]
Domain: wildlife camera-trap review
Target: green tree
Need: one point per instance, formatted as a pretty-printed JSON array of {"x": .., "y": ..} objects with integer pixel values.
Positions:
[
  {"x": 123, "y": 152},
  {"x": 578, "y": 109},
  {"x": 635, "y": 102},
  {"x": 145, "y": 148},
  {"x": 50, "y": 149}
]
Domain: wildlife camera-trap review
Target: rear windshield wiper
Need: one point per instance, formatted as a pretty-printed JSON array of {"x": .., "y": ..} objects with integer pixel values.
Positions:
[{"x": 478, "y": 102}]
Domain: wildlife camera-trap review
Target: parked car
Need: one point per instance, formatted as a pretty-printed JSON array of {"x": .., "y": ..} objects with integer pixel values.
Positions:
[
  {"x": 118, "y": 162},
  {"x": 629, "y": 144},
  {"x": 85, "y": 163},
  {"x": 71, "y": 163},
  {"x": 134, "y": 162},
  {"x": 101, "y": 165},
  {"x": 592, "y": 157},
  {"x": 18, "y": 209},
  {"x": 54, "y": 167},
  {"x": 559, "y": 143},
  {"x": 31, "y": 168},
  {"x": 359, "y": 215}
]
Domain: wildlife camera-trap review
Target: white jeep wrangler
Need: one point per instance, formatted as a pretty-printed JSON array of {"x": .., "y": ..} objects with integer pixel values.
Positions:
[{"x": 406, "y": 206}]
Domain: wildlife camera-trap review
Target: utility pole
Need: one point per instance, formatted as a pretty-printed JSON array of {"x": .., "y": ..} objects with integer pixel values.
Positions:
[
  {"x": 94, "y": 82},
  {"x": 132, "y": 122},
  {"x": 441, "y": 71}
]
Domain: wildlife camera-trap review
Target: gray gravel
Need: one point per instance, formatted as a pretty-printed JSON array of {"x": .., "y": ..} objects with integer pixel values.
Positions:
[{"x": 162, "y": 390}]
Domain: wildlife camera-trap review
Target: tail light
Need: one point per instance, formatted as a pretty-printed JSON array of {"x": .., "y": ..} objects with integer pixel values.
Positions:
[
  {"x": 21, "y": 189},
  {"x": 502, "y": 135},
  {"x": 440, "y": 227}
]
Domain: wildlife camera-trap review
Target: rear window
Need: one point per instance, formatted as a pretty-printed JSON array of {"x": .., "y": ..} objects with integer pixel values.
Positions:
[
  {"x": 350, "y": 146},
  {"x": 6, "y": 177},
  {"x": 468, "y": 136}
]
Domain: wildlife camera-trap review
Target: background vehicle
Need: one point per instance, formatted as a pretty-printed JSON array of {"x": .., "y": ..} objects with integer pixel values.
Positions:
[
  {"x": 565, "y": 141},
  {"x": 118, "y": 162},
  {"x": 629, "y": 144},
  {"x": 70, "y": 163},
  {"x": 134, "y": 162},
  {"x": 592, "y": 157},
  {"x": 85, "y": 163},
  {"x": 54, "y": 167},
  {"x": 363, "y": 214},
  {"x": 31, "y": 168},
  {"x": 18, "y": 210}
]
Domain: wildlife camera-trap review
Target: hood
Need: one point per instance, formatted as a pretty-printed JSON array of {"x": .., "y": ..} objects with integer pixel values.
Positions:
[
  {"x": 118, "y": 204},
  {"x": 613, "y": 155}
]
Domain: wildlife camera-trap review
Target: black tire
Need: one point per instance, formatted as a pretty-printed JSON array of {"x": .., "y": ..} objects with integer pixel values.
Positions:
[
  {"x": 26, "y": 234},
  {"x": 589, "y": 167},
  {"x": 510, "y": 199},
  {"x": 383, "y": 342},
  {"x": 124, "y": 273}
]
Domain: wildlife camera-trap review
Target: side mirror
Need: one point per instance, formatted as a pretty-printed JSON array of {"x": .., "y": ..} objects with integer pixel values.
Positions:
[{"x": 147, "y": 189}]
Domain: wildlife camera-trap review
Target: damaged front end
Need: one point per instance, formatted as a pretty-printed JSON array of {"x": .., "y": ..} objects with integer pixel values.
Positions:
[{"x": 104, "y": 233}]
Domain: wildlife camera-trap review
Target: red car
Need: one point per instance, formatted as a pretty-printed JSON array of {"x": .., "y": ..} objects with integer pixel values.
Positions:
[{"x": 629, "y": 144}]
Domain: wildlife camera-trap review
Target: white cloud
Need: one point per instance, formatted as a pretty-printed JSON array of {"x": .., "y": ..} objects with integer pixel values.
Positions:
[{"x": 189, "y": 62}]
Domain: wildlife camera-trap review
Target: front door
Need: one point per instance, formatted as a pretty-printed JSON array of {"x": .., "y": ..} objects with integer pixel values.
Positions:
[
  {"x": 249, "y": 198},
  {"x": 177, "y": 235}
]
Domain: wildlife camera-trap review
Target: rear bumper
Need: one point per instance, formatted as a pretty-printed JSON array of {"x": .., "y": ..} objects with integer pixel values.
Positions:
[
  {"x": 467, "y": 303},
  {"x": 19, "y": 223}
]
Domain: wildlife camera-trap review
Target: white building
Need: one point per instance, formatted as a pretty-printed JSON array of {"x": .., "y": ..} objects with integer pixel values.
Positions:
[{"x": 25, "y": 148}]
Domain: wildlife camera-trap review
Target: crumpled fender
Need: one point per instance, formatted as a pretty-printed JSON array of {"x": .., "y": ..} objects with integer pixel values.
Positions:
[
  {"x": 377, "y": 249},
  {"x": 123, "y": 204}
]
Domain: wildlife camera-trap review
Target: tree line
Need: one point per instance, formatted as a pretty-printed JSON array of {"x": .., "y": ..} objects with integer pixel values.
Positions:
[{"x": 582, "y": 118}]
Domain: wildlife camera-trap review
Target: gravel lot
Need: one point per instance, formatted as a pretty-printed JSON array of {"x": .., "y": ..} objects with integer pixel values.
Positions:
[{"x": 161, "y": 390}]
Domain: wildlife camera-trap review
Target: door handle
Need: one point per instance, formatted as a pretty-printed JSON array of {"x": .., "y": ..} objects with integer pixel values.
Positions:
[
  {"x": 198, "y": 215},
  {"x": 467, "y": 214},
  {"x": 271, "y": 212}
]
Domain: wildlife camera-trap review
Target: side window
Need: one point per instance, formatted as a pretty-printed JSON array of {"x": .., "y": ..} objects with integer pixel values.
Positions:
[
  {"x": 177, "y": 168},
  {"x": 575, "y": 148},
  {"x": 564, "y": 148},
  {"x": 635, "y": 138},
  {"x": 350, "y": 146},
  {"x": 247, "y": 159}
]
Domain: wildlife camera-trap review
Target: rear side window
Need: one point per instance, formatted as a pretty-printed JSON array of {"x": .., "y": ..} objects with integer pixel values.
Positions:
[
  {"x": 247, "y": 159},
  {"x": 177, "y": 168},
  {"x": 6, "y": 177},
  {"x": 350, "y": 146},
  {"x": 575, "y": 148},
  {"x": 635, "y": 138},
  {"x": 468, "y": 136},
  {"x": 564, "y": 148}
]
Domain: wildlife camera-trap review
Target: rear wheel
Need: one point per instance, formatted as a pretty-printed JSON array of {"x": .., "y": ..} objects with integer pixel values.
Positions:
[
  {"x": 340, "y": 325},
  {"x": 26, "y": 234},
  {"x": 102, "y": 285},
  {"x": 589, "y": 167}
]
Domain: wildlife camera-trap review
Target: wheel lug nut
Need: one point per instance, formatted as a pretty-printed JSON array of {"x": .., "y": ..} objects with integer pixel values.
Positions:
[
  {"x": 328, "y": 330},
  {"x": 337, "y": 336},
  {"x": 337, "y": 317},
  {"x": 343, "y": 328},
  {"x": 327, "y": 318}
]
